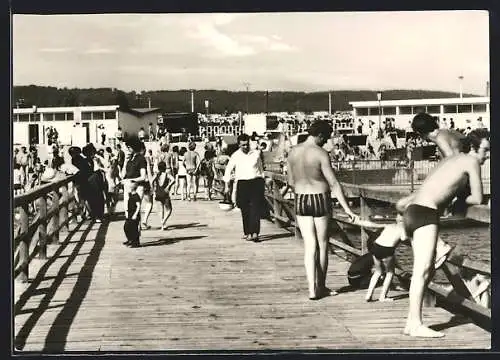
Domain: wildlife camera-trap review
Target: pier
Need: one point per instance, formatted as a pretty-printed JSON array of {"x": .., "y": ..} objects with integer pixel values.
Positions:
[{"x": 199, "y": 286}]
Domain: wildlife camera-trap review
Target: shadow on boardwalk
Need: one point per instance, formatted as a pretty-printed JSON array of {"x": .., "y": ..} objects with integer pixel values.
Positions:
[
  {"x": 59, "y": 330},
  {"x": 199, "y": 286}
]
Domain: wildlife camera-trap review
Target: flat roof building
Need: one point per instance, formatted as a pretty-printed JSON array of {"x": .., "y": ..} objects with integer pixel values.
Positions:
[{"x": 30, "y": 124}]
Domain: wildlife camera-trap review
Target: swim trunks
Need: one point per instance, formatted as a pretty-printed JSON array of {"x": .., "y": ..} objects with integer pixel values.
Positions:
[
  {"x": 416, "y": 216},
  {"x": 315, "y": 205},
  {"x": 382, "y": 252}
]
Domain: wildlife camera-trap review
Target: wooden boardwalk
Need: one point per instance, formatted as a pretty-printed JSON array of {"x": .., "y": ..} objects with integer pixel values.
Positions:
[{"x": 198, "y": 286}]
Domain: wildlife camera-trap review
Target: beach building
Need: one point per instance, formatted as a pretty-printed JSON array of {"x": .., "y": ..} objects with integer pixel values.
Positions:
[
  {"x": 465, "y": 112},
  {"x": 79, "y": 125}
]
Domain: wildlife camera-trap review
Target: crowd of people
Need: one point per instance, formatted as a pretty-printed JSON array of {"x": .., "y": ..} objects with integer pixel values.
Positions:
[{"x": 148, "y": 178}]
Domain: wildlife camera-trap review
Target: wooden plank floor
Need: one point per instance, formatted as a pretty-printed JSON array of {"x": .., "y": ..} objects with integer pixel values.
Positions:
[{"x": 198, "y": 286}]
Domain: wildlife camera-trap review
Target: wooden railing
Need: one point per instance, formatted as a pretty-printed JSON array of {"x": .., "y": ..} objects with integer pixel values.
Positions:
[
  {"x": 458, "y": 293},
  {"x": 38, "y": 225}
]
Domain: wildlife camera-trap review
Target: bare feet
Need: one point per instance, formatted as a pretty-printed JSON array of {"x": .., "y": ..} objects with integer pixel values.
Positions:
[
  {"x": 422, "y": 331},
  {"x": 385, "y": 299},
  {"x": 327, "y": 292}
]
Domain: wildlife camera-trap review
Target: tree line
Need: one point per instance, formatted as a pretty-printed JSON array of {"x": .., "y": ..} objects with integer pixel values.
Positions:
[{"x": 220, "y": 101}]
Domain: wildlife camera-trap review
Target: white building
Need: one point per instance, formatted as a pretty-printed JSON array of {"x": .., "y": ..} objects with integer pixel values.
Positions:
[
  {"x": 465, "y": 111},
  {"x": 30, "y": 124}
]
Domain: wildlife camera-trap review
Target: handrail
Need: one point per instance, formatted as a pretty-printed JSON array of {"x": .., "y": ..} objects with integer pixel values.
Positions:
[
  {"x": 35, "y": 231},
  {"x": 458, "y": 294}
]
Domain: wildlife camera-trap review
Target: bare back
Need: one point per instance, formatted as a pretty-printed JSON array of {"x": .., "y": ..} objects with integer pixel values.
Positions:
[
  {"x": 305, "y": 168},
  {"x": 450, "y": 142},
  {"x": 445, "y": 180}
]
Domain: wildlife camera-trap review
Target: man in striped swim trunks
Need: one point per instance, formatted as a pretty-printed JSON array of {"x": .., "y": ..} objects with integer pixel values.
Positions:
[{"x": 312, "y": 178}]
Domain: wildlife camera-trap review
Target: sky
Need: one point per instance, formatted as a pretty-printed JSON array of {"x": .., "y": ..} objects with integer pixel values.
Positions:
[{"x": 273, "y": 51}]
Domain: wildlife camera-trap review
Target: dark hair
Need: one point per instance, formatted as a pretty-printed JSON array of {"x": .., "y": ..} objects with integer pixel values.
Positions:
[
  {"x": 182, "y": 151},
  {"x": 165, "y": 148},
  {"x": 89, "y": 150},
  {"x": 475, "y": 137},
  {"x": 134, "y": 143},
  {"x": 57, "y": 162},
  {"x": 74, "y": 151},
  {"x": 424, "y": 123},
  {"x": 17, "y": 166},
  {"x": 243, "y": 137},
  {"x": 118, "y": 146},
  {"x": 108, "y": 149},
  {"x": 320, "y": 127},
  {"x": 162, "y": 166},
  {"x": 175, "y": 149}
]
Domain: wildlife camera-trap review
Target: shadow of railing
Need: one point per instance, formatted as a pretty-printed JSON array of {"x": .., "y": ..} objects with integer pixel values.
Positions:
[{"x": 56, "y": 338}]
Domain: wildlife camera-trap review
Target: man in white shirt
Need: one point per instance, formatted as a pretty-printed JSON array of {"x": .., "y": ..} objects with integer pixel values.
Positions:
[{"x": 249, "y": 176}]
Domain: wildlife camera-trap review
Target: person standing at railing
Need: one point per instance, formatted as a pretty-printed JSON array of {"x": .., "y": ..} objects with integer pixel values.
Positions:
[
  {"x": 312, "y": 178},
  {"x": 249, "y": 176},
  {"x": 421, "y": 218}
]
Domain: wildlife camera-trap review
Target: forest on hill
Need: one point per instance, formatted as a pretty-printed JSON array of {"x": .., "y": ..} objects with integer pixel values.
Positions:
[{"x": 220, "y": 101}]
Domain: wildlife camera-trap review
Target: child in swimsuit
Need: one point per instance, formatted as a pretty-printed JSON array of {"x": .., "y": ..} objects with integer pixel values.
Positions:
[{"x": 383, "y": 257}]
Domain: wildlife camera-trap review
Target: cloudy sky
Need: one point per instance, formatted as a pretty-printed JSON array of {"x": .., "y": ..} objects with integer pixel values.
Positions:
[{"x": 275, "y": 51}]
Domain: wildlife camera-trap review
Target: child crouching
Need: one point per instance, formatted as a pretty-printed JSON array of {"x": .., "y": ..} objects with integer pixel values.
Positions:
[{"x": 383, "y": 257}]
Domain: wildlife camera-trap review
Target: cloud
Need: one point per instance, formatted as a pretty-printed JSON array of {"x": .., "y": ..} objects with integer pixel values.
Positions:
[
  {"x": 223, "y": 44},
  {"x": 98, "y": 51},
  {"x": 55, "y": 50}
]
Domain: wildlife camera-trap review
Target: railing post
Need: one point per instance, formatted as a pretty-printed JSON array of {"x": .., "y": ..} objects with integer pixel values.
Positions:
[
  {"x": 276, "y": 204},
  {"x": 54, "y": 238},
  {"x": 412, "y": 172},
  {"x": 24, "y": 245},
  {"x": 365, "y": 214},
  {"x": 42, "y": 228},
  {"x": 63, "y": 211}
]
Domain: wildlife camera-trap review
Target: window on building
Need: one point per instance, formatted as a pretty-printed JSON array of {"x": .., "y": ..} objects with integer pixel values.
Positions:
[
  {"x": 35, "y": 117},
  {"x": 419, "y": 109},
  {"x": 15, "y": 117},
  {"x": 60, "y": 116},
  {"x": 478, "y": 108},
  {"x": 362, "y": 111},
  {"x": 48, "y": 117},
  {"x": 374, "y": 111},
  {"x": 97, "y": 115},
  {"x": 69, "y": 116},
  {"x": 389, "y": 110},
  {"x": 450, "y": 109},
  {"x": 86, "y": 115},
  {"x": 111, "y": 115},
  {"x": 405, "y": 110},
  {"x": 464, "y": 108},
  {"x": 24, "y": 117},
  {"x": 433, "y": 109}
]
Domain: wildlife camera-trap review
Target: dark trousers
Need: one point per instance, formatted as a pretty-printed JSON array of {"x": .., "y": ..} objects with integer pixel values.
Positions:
[
  {"x": 94, "y": 195},
  {"x": 250, "y": 200},
  {"x": 131, "y": 229}
]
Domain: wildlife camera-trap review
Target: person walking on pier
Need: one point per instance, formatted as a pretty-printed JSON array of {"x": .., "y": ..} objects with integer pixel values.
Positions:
[
  {"x": 421, "y": 218},
  {"x": 249, "y": 176},
  {"x": 312, "y": 178}
]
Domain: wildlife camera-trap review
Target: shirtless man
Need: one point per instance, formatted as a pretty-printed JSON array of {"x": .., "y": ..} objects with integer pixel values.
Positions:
[
  {"x": 421, "y": 217},
  {"x": 311, "y": 177},
  {"x": 192, "y": 161},
  {"x": 449, "y": 142}
]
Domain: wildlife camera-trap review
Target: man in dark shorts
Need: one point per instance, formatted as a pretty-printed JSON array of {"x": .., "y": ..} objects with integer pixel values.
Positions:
[
  {"x": 421, "y": 218},
  {"x": 312, "y": 178}
]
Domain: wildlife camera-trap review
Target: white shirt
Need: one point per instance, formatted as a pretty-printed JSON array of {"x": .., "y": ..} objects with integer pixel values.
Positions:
[{"x": 246, "y": 166}]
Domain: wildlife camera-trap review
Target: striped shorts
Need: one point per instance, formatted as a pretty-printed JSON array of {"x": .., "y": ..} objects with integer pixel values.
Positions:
[{"x": 315, "y": 205}]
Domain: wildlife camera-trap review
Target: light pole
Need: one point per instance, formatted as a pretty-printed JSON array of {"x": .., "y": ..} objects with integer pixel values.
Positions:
[
  {"x": 379, "y": 98},
  {"x": 247, "y": 85},
  {"x": 329, "y": 103},
  {"x": 461, "y": 92},
  {"x": 192, "y": 101}
]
